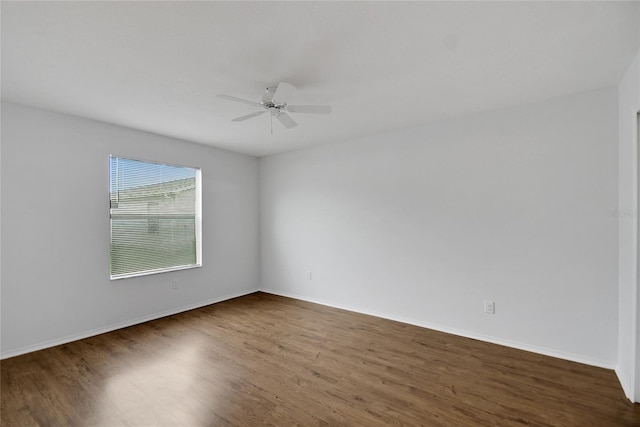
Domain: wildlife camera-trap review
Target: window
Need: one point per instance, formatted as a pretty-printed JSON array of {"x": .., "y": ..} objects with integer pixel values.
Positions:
[{"x": 155, "y": 217}]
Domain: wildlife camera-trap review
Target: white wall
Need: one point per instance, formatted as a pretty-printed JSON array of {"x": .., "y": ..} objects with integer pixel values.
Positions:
[
  {"x": 55, "y": 224},
  {"x": 628, "y": 368},
  {"x": 423, "y": 224},
  {"x": 419, "y": 225}
]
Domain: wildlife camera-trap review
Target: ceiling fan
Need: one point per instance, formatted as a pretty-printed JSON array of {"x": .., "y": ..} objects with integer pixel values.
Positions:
[{"x": 274, "y": 101}]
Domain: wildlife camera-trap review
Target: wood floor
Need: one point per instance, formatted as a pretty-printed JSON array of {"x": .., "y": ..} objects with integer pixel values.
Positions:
[{"x": 267, "y": 360}]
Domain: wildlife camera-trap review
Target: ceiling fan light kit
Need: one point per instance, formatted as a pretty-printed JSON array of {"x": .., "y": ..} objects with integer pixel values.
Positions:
[{"x": 274, "y": 101}]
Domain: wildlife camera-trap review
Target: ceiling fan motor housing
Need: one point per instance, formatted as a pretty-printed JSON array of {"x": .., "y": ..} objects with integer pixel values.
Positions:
[{"x": 267, "y": 101}]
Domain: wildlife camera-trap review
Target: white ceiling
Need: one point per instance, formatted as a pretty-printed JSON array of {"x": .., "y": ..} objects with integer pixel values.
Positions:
[{"x": 381, "y": 65}]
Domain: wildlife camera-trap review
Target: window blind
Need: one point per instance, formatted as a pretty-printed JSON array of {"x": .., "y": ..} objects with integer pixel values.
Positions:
[{"x": 155, "y": 217}]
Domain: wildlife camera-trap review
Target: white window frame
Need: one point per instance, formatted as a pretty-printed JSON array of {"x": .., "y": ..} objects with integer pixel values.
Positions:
[{"x": 198, "y": 223}]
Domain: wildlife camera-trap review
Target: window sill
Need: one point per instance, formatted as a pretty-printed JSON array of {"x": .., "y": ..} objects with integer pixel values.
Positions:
[{"x": 150, "y": 272}]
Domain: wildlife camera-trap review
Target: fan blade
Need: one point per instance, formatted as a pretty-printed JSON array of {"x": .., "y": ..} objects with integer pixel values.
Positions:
[
  {"x": 286, "y": 120},
  {"x": 314, "y": 109},
  {"x": 248, "y": 116},
  {"x": 244, "y": 101},
  {"x": 283, "y": 92},
  {"x": 267, "y": 98}
]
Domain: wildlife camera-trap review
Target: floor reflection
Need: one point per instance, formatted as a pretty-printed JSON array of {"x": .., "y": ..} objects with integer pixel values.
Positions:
[{"x": 159, "y": 390}]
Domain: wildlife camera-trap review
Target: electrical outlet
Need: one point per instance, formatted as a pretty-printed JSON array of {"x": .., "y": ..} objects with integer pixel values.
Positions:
[
  {"x": 309, "y": 275},
  {"x": 174, "y": 285},
  {"x": 489, "y": 307}
]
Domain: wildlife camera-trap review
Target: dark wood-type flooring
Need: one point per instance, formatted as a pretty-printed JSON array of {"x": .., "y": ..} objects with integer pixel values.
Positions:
[{"x": 268, "y": 360}]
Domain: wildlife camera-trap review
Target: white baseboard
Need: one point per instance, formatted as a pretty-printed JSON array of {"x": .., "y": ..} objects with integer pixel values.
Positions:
[
  {"x": 626, "y": 387},
  {"x": 521, "y": 346},
  {"x": 453, "y": 331},
  {"x": 120, "y": 325}
]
